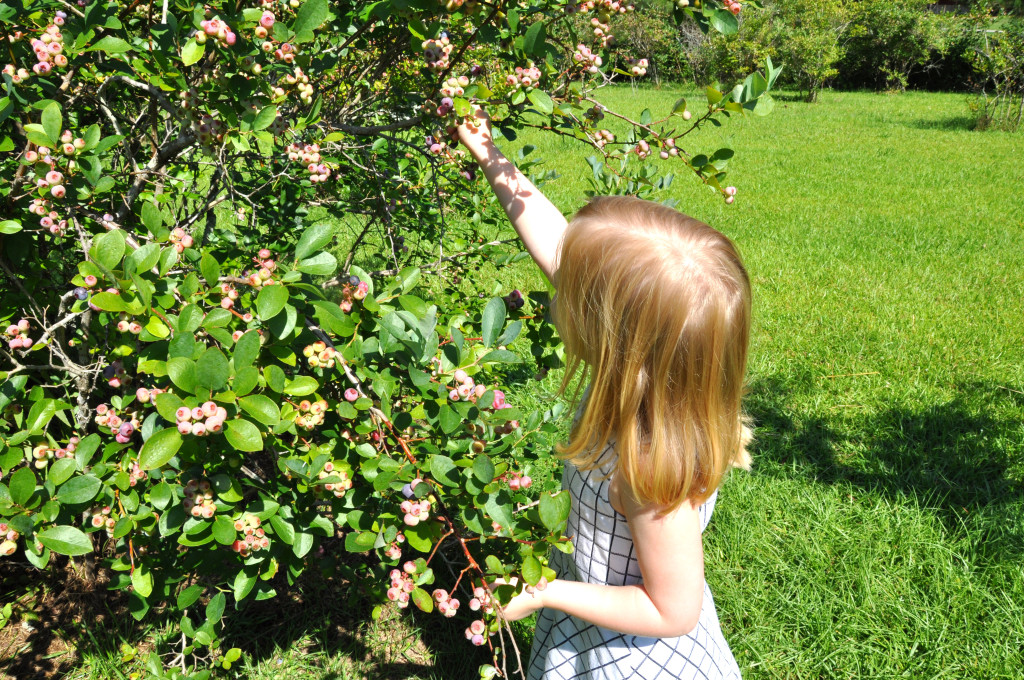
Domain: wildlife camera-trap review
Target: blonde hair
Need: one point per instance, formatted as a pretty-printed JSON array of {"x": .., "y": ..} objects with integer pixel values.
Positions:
[{"x": 653, "y": 307}]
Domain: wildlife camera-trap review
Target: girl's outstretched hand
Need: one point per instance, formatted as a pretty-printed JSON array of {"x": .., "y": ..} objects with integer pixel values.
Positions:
[
  {"x": 523, "y": 604},
  {"x": 475, "y": 133}
]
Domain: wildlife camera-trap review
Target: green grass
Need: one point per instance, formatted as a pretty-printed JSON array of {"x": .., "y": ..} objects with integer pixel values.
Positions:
[{"x": 880, "y": 533}]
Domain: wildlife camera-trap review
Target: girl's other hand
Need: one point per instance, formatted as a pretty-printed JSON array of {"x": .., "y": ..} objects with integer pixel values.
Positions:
[{"x": 475, "y": 133}]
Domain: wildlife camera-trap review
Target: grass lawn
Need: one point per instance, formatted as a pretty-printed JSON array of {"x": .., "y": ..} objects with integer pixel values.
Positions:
[{"x": 881, "y": 531}]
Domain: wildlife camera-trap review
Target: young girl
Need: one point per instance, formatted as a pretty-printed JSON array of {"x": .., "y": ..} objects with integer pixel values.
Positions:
[{"x": 654, "y": 307}]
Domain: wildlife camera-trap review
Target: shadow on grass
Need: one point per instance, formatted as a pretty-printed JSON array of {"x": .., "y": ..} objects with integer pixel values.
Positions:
[
  {"x": 947, "y": 123},
  {"x": 960, "y": 459}
]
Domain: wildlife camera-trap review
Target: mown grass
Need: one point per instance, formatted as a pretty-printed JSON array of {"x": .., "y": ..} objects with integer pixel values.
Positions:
[{"x": 880, "y": 533}]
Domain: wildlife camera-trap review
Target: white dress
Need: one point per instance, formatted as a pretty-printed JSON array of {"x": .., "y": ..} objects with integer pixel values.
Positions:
[{"x": 566, "y": 647}]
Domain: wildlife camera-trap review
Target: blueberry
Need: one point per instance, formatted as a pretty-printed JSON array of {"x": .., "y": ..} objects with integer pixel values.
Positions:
[
  {"x": 407, "y": 490},
  {"x": 108, "y": 372},
  {"x": 354, "y": 280},
  {"x": 81, "y": 293}
]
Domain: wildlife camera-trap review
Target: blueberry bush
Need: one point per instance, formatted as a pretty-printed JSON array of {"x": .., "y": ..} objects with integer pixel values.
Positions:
[{"x": 235, "y": 348}]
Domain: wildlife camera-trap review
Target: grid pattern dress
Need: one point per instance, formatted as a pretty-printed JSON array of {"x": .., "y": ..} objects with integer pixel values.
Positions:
[{"x": 565, "y": 647}]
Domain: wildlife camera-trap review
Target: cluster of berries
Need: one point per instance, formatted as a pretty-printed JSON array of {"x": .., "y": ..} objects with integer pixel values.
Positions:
[
  {"x": 453, "y": 87},
  {"x": 264, "y": 276},
  {"x": 145, "y": 395},
  {"x": 310, "y": 414},
  {"x": 126, "y": 326},
  {"x": 455, "y": 5},
  {"x": 475, "y": 632},
  {"x": 42, "y": 454},
  {"x": 309, "y": 156},
  {"x": 286, "y": 53},
  {"x": 228, "y": 295},
  {"x": 48, "y": 218},
  {"x": 135, "y": 473},
  {"x": 517, "y": 481},
  {"x": 514, "y": 300},
  {"x": 466, "y": 390},
  {"x": 435, "y": 145},
  {"x": 180, "y": 239},
  {"x": 402, "y": 584},
  {"x": 19, "y": 335},
  {"x": 642, "y": 149},
  {"x": 49, "y": 47},
  {"x": 668, "y": 148},
  {"x": 415, "y": 511},
  {"x": 298, "y": 79},
  {"x": 394, "y": 551},
  {"x": 267, "y": 20},
  {"x": 638, "y": 67},
  {"x": 586, "y": 58},
  {"x": 101, "y": 519},
  {"x": 523, "y": 77},
  {"x": 199, "y": 499},
  {"x": 603, "y": 137},
  {"x": 18, "y": 75},
  {"x": 216, "y": 29},
  {"x": 319, "y": 355},
  {"x": 437, "y": 53},
  {"x": 121, "y": 426},
  {"x": 732, "y": 5},
  {"x": 447, "y": 605},
  {"x": 201, "y": 420},
  {"x": 10, "y": 539},
  {"x": 730, "y": 194},
  {"x": 253, "y": 537},
  {"x": 207, "y": 129},
  {"x": 337, "y": 488},
  {"x": 354, "y": 289},
  {"x": 114, "y": 374}
]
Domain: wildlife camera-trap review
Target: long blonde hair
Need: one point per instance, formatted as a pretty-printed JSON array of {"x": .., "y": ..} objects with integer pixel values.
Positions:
[{"x": 653, "y": 307}]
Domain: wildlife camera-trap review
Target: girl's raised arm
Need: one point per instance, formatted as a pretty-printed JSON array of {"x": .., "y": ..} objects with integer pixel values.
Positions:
[{"x": 537, "y": 221}]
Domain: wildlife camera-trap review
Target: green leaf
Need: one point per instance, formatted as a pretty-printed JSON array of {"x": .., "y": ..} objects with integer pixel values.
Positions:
[
  {"x": 61, "y": 470},
  {"x": 554, "y": 510},
  {"x": 244, "y": 582},
  {"x": 493, "y": 320},
  {"x": 422, "y": 600},
  {"x": 182, "y": 373},
  {"x": 534, "y": 41},
  {"x": 22, "y": 485},
  {"x": 262, "y": 408},
  {"x": 192, "y": 52},
  {"x": 483, "y": 469},
  {"x": 244, "y": 435},
  {"x": 223, "y": 530},
  {"x": 321, "y": 264},
  {"x": 161, "y": 495},
  {"x": 228, "y": 489},
  {"x": 53, "y": 122},
  {"x": 246, "y": 349},
  {"x": 10, "y": 227},
  {"x": 167, "y": 405},
  {"x": 302, "y": 544},
  {"x": 215, "y": 608},
  {"x": 449, "y": 419},
  {"x": 65, "y": 540},
  {"x": 264, "y": 118},
  {"x": 532, "y": 570},
  {"x": 151, "y": 217},
  {"x": 188, "y": 597},
  {"x": 284, "y": 530},
  {"x": 108, "y": 248},
  {"x": 80, "y": 489},
  {"x": 311, "y": 15},
  {"x": 301, "y": 386},
  {"x": 160, "y": 448},
  {"x": 360, "y": 541},
  {"x": 212, "y": 369},
  {"x": 443, "y": 469},
  {"x": 724, "y": 21},
  {"x": 315, "y": 237},
  {"x": 541, "y": 100},
  {"x": 142, "y": 580},
  {"x": 110, "y": 45},
  {"x": 499, "y": 507},
  {"x": 270, "y": 301},
  {"x": 210, "y": 269}
]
